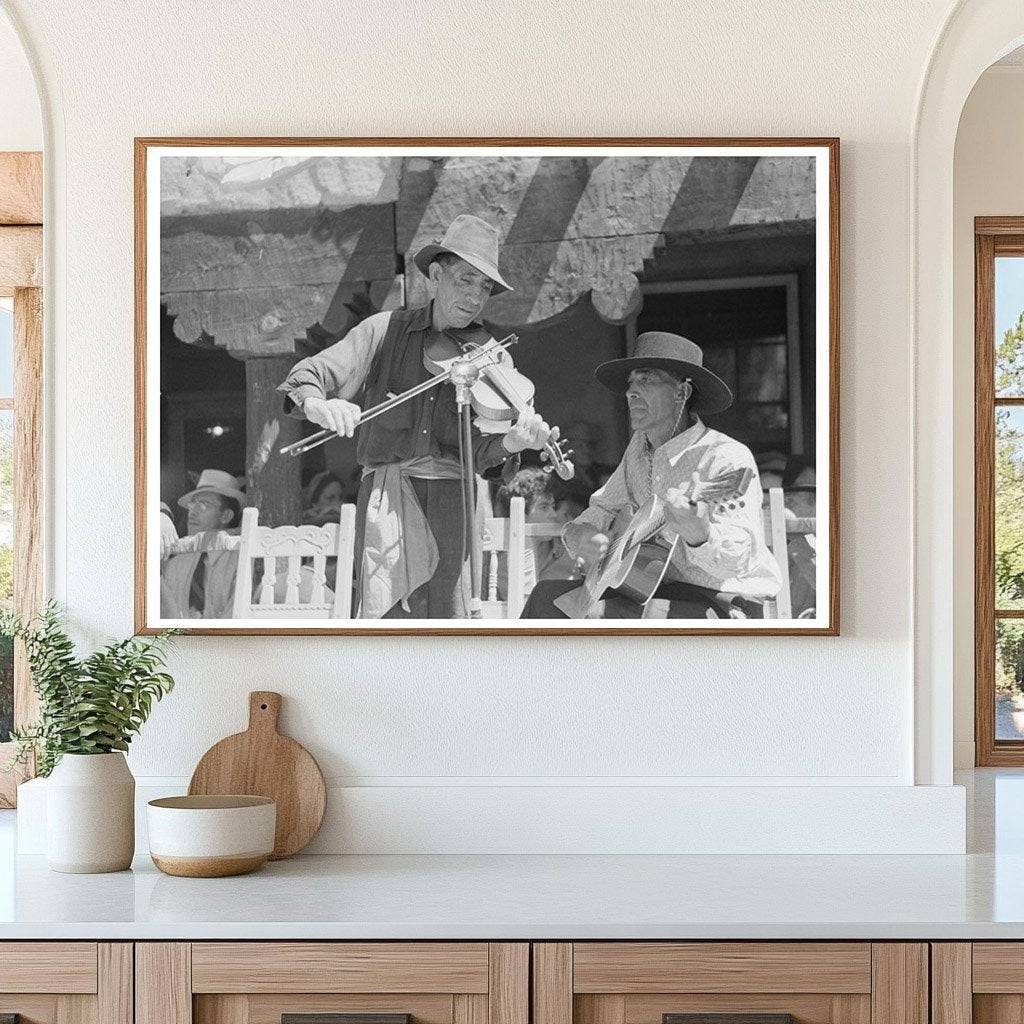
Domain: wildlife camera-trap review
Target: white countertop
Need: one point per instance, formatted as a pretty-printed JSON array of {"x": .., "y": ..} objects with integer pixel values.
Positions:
[
  {"x": 531, "y": 897},
  {"x": 978, "y": 896}
]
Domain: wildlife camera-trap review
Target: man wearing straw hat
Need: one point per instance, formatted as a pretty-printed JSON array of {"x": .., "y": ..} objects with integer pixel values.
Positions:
[
  {"x": 200, "y": 583},
  {"x": 412, "y": 533},
  {"x": 720, "y": 565}
]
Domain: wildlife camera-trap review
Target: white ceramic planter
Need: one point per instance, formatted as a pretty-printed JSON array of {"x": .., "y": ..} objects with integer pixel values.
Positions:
[{"x": 90, "y": 814}]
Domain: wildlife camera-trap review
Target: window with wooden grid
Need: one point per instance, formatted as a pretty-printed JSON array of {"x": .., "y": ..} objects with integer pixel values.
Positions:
[{"x": 999, "y": 490}]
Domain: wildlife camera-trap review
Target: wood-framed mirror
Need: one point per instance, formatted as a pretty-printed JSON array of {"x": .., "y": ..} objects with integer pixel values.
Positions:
[{"x": 21, "y": 367}]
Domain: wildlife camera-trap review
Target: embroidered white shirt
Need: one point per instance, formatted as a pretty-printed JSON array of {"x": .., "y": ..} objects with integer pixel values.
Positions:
[{"x": 735, "y": 558}]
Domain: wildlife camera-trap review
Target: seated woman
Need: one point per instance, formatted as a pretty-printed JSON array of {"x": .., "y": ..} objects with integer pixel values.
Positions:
[
  {"x": 324, "y": 496},
  {"x": 546, "y": 557}
]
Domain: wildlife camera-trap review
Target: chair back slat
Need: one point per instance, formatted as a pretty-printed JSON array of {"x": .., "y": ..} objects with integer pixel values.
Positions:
[
  {"x": 294, "y": 576},
  {"x": 268, "y": 581},
  {"x": 781, "y": 606},
  {"x": 516, "y": 557},
  {"x": 243, "y": 574},
  {"x": 345, "y": 545},
  {"x": 493, "y": 562},
  {"x": 319, "y": 579}
]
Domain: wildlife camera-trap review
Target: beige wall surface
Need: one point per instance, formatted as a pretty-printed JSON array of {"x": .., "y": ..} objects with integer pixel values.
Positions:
[
  {"x": 21, "y": 123},
  {"x": 988, "y": 181},
  {"x": 429, "y": 711}
]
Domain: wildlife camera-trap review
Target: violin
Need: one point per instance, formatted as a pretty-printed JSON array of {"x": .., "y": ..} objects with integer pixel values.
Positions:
[{"x": 500, "y": 393}]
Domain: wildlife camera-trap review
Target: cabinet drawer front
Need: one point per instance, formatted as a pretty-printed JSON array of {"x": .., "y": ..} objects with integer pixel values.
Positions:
[
  {"x": 262, "y": 1008},
  {"x": 339, "y": 967},
  {"x": 48, "y": 967},
  {"x": 721, "y": 967},
  {"x": 998, "y": 967},
  {"x": 808, "y": 1008}
]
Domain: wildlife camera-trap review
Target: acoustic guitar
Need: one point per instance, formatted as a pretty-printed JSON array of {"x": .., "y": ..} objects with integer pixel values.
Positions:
[{"x": 634, "y": 564}]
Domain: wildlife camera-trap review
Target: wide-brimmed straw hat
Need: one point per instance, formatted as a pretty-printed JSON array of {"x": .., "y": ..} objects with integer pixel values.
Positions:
[
  {"x": 678, "y": 355},
  {"x": 219, "y": 482},
  {"x": 473, "y": 240}
]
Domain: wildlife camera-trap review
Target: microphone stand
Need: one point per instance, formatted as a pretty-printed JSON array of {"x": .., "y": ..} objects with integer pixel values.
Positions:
[{"x": 464, "y": 375}]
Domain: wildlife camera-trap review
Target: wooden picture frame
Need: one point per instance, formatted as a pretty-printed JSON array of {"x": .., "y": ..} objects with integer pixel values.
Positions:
[{"x": 150, "y": 287}]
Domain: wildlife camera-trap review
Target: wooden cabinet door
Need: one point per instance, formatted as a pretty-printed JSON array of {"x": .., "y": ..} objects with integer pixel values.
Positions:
[
  {"x": 264, "y": 982},
  {"x": 750, "y": 982},
  {"x": 66, "y": 982},
  {"x": 981, "y": 982}
]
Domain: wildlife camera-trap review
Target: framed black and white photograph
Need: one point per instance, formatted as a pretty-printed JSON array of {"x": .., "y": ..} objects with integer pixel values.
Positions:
[{"x": 487, "y": 386}]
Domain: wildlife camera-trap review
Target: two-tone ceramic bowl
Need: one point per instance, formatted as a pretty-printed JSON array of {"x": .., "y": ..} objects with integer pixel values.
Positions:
[{"x": 211, "y": 836}]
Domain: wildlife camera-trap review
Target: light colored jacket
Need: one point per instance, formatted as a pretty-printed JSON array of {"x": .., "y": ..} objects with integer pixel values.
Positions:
[{"x": 735, "y": 558}]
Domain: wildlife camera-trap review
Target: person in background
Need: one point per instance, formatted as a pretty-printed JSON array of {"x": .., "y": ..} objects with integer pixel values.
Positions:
[
  {"x": 323, "y": 497},
  {"x": 324, "y": 494},
  {"x": 200, "y": 583},
  {"x": 546, "y": 557},
  {"x": 533, "y": 485}
]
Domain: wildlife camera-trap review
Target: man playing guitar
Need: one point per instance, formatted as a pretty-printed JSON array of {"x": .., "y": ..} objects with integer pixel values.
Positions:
[{"x": 705, "y": 484}]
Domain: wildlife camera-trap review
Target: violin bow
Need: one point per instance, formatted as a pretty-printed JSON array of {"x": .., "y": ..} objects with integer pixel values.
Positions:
[{"x": 323, "y": 436}]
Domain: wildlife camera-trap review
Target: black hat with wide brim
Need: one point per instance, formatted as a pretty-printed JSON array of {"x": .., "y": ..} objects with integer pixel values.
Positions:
[{"x": 678, "y": 355}]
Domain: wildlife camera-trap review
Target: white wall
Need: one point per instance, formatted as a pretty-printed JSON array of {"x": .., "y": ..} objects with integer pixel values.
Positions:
[
  {"x": 548, "y": 712},
  {"x": 988, "y": 181},
  {"x": 21, "y": 125}
]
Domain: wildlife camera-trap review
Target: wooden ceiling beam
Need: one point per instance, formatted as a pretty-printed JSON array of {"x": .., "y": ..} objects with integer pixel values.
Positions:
[
  {"x": 21, "y": 188},
  {"x": 21, "y": 258}
]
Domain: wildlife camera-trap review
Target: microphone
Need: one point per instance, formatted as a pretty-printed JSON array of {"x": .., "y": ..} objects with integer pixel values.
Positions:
[{"x": 465, "y": 373}]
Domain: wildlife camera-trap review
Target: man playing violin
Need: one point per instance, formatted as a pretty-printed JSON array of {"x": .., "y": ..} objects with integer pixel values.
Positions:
[
  {"x": 412, "y": 534},
  {"x": 720, "y": 565}
]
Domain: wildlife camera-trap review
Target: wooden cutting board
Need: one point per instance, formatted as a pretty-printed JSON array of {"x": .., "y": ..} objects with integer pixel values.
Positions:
[{"x": 262, "y": 762}]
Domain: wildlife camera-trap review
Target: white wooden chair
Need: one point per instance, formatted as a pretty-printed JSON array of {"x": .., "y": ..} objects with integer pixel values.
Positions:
[
  {"x": 288, "y": 589},
  {"x": 511, "y": 536}
]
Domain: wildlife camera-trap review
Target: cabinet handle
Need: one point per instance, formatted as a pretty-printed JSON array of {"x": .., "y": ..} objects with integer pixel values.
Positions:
[
  {"x": 728, "y": 1018},
  {"x": 338, "y": 1018}
]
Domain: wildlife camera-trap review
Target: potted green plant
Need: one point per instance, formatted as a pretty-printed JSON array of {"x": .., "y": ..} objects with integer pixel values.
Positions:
[{"x": 89, "y": 709}]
